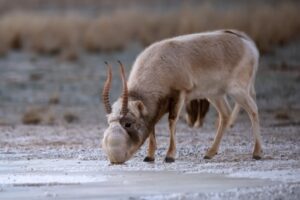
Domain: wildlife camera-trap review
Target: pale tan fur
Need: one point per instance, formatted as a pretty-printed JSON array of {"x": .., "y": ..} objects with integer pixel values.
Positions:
[{"x": 208, "y": 65}]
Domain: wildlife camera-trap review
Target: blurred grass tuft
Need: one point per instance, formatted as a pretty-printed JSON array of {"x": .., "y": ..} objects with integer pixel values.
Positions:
[{"x": 67, "y": 34}]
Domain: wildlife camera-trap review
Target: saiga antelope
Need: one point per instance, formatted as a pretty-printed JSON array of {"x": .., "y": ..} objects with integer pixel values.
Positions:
[{"x": 207, "y": 65}]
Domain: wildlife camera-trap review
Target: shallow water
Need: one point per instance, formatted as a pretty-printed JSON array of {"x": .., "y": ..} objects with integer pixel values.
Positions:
[{"x": 75, "y": 179}]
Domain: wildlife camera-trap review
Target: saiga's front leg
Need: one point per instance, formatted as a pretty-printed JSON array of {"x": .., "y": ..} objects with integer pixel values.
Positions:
[
  {"x": 151, "y": 147},
  {"x": 175, "y": 108}
]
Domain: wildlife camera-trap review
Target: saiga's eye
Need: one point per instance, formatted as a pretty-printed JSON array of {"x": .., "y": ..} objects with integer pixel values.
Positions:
[{"x": 127, "y": 125}]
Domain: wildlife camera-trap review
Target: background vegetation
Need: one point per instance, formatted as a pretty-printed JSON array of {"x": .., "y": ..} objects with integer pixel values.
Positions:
[{"x": 68, "y": 32}]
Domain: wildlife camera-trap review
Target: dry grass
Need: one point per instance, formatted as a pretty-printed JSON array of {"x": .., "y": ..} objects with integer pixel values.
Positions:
[
  {"x": 36, "y": 115},
  {"x": 71, "y": 117},
  {"x": 107, "y": 33},
  {"x": 67, "y": 34},
  {"x": 48, "y": 115},
  {"x": 282, "y": 115},
  {"x": 32, "y": 116},
  {"x": 41, "y": 33},
  {"x": 54, "y": 99}
]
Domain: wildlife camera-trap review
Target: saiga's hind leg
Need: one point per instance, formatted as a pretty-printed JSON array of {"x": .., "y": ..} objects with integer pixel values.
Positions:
[
  {"x": 247, "y": 101},
  {"x": 237, "y": 108},
  {"x": 234, "y": 115},
  {"x": 224, "y": 111}
]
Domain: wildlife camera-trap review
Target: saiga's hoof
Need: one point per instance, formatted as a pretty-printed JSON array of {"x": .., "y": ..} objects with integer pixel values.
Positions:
[
  {"x": 169, "y": 160},
  {"x": 148, "y": 159}
]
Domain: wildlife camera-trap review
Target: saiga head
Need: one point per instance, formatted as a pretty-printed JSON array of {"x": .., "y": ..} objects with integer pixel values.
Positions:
[{"x": 127, "y": 129}]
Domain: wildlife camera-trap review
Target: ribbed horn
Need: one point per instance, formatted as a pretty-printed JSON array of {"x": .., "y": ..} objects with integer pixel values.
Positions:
[
  {"x": 106, "y": 88},
  {"x": 124, "y": 109}
]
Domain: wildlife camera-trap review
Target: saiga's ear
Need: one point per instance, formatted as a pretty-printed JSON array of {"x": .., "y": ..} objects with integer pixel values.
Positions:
[{"x": 141, "y": 107}]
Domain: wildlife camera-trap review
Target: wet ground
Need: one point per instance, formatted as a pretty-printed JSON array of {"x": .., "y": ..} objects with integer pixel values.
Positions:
[
  {"x": 42, "y": 162},
  {"x": 83, "y": 180}
]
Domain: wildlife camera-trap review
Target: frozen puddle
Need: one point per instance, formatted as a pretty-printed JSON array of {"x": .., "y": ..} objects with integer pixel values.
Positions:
[
  {"x": 48, "y": 179},
  {"x": 74, "y": 179}
]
